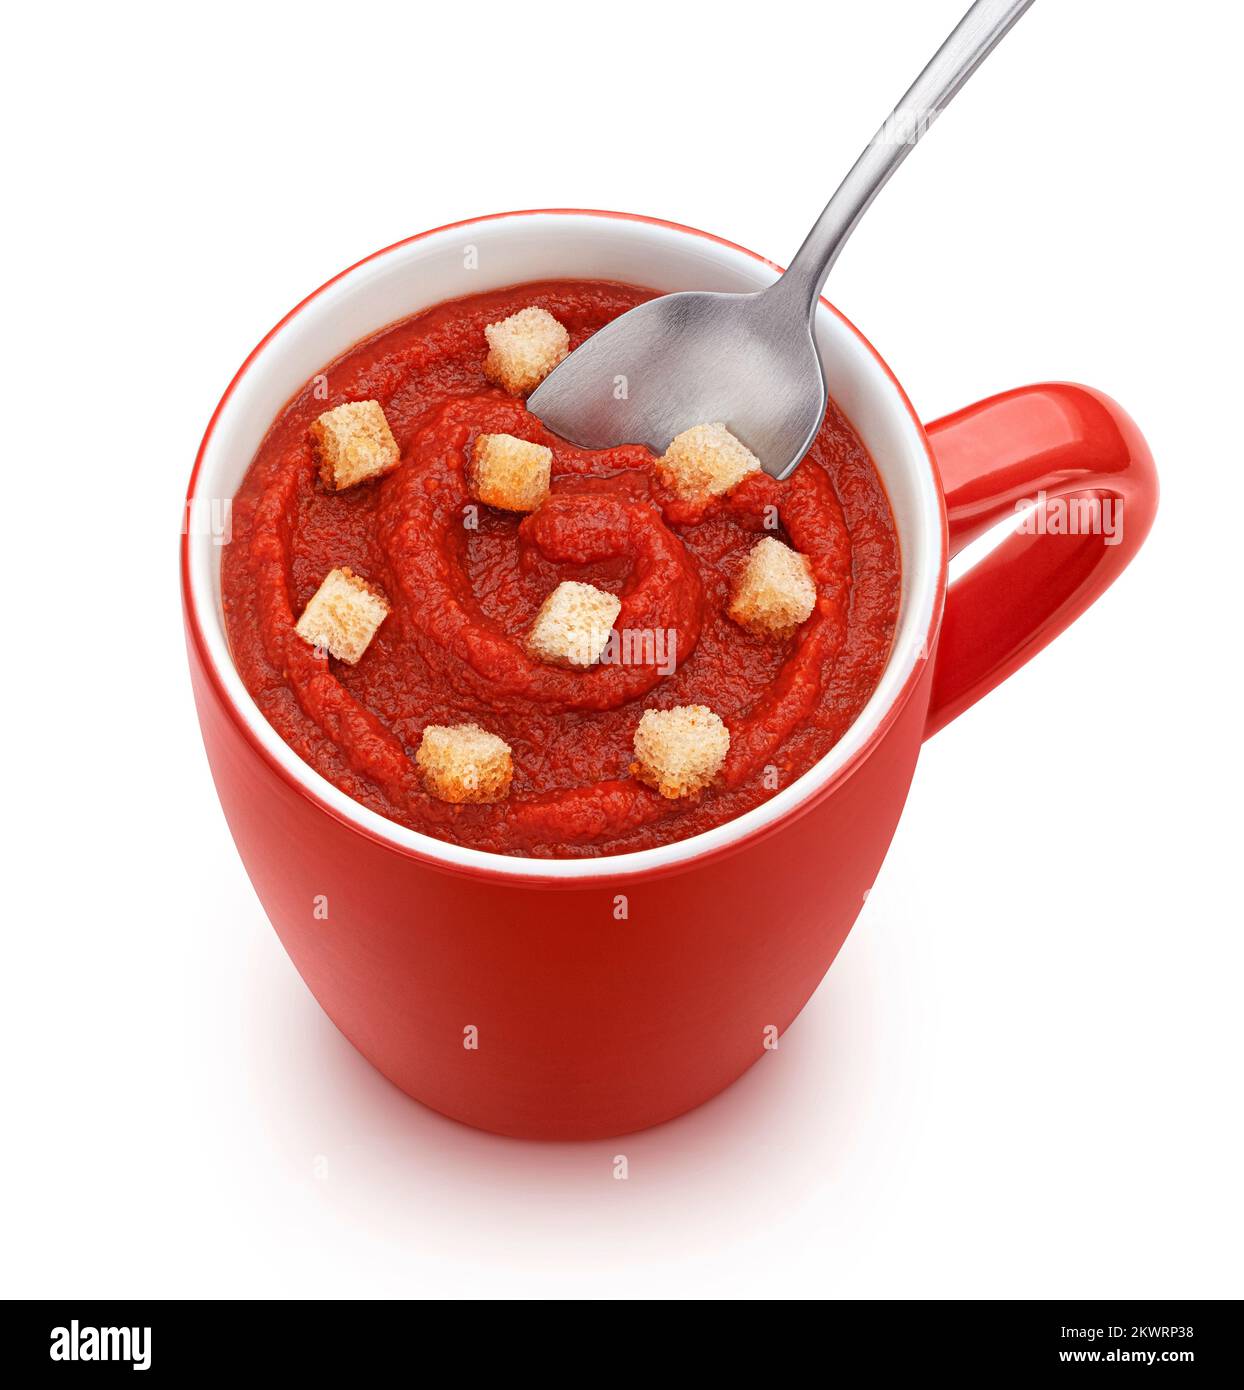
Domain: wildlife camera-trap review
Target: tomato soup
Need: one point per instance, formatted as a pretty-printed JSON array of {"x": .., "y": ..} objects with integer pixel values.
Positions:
[{"x": 464, "y": 583}]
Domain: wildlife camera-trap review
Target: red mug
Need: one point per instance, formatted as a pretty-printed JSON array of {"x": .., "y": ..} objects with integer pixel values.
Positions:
[{"x": 576, "y": 999}]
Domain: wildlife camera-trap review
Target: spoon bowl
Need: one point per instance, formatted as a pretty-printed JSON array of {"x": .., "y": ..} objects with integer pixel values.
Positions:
[{"x": 739, "y": 359}]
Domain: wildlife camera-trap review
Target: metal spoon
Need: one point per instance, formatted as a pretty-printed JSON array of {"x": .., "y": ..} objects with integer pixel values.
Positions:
[{"x": 749, "y": 360}]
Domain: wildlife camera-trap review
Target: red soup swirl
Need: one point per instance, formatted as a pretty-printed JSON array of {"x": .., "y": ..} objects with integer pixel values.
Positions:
[{"x": 464, "y": 581}]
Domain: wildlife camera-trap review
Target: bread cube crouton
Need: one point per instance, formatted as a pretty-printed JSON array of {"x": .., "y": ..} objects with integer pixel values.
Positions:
[
  {"x": 343, "y": 616},
  {"x": 679, "y": 751},
  {"x": 573, "y": 625},
  {"x": 354, "y": 443},
  {"x": 774, "y": 591},
  {"x": 524, "y": 349},
  {"x": 705, "y": 459},
  {"x": 509, "y": 473},
  {"x": 463, "y": 763}
]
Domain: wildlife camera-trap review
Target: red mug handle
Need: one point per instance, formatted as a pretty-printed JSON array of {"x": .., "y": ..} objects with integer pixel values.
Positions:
[{"x": 1080, "y": 457}]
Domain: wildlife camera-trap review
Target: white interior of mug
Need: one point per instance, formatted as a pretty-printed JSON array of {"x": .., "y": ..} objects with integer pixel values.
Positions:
[{"x": 578, "y": 245}]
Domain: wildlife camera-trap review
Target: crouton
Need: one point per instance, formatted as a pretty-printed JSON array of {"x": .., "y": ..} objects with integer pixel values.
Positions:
[
  {"x": 509, "y": 473},
  {"x": 705, "y": 459},
  {"x": 343, "y": 616},
  {"x": 354, "y": 443},
  {"x": 464, "y": 763},
  {"x": 774, "y": 591},
  {"x": 573, "y": 625},
  {"x": 679, "y": 751},
  {"x": 524, "y": 349}
]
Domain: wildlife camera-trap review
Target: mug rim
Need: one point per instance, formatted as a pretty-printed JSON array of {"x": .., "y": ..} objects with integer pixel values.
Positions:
[{"x": 817, "y": 783}]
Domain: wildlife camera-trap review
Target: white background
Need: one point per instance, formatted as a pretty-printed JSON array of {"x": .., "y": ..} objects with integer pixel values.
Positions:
[{"x": 1022, "y": 1075}]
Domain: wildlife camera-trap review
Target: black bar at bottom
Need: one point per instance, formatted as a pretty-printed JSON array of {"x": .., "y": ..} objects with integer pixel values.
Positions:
[{"x": 87, "y": 1338}]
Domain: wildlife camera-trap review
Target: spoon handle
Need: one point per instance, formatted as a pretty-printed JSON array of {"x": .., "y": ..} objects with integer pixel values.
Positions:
[{"x": 950, "y": 67}]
